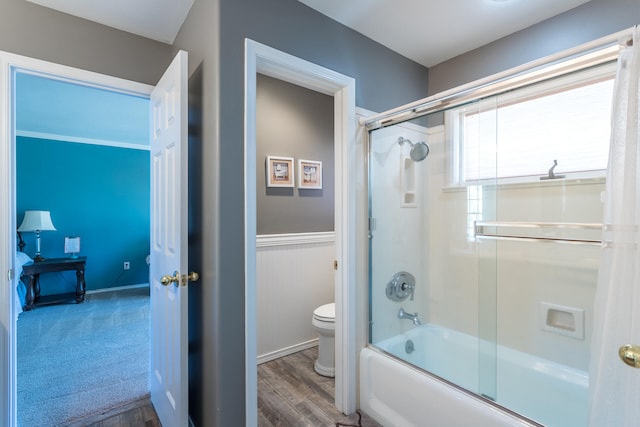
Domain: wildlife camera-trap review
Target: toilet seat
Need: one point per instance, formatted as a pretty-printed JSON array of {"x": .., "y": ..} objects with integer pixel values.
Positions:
[{"x": 325, "y": 313}]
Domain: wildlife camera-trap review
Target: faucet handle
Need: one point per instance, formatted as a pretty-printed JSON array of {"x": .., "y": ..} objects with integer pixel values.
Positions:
[
  {"x": 408, "y": 288},
  {"x": 401, "y": 286}
]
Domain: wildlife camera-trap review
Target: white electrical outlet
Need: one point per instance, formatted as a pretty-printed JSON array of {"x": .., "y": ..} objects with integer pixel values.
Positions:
[{"x": 126, "y": 265}]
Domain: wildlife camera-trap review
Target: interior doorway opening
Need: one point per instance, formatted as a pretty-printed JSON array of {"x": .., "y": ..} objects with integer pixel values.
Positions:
[
  {"x": 69, "y": 139},
  {"x": 15, "y": 65},
  {"x": 262, "y": 59}
]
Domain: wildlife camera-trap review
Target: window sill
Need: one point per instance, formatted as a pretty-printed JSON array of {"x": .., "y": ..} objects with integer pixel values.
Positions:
[{"x": 528, "y": 183}]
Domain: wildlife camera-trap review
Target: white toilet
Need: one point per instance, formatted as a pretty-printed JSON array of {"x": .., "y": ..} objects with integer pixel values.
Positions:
[{"x": 324, "y": 321}]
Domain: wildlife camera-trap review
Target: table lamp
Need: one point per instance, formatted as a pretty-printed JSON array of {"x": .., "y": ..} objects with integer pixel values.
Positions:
[{"x": 37, "y": 221}]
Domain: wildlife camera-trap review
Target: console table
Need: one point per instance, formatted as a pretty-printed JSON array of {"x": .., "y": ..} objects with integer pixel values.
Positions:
[{"x": 32, "y": 270}]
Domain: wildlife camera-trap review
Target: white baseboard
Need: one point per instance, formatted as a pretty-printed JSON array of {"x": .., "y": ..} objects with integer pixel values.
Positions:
[
  {"x": 118, "y": 288},
  {"x": 287, "y": 351}
]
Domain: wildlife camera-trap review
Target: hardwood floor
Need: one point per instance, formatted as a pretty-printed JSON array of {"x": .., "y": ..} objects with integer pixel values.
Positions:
[
  {"x": 290, "y": 394},
  {"x": 136, "y": 414}
]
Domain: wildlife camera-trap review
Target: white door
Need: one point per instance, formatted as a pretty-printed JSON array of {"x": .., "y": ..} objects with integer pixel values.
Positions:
[{"x": 168, "y": 375}]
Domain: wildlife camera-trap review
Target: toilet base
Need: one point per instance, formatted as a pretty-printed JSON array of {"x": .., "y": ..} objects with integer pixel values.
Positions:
[
  {"x": 325, "y": 363},
  {"x": 324, "y": 371}
]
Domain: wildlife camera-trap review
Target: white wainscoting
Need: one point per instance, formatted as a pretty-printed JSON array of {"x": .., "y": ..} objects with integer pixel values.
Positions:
[{"x": 294, "y": 276}]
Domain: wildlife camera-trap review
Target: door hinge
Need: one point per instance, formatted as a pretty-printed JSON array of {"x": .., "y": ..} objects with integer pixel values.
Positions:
[
  {"x": 10, "y": 274},
  {"x": 335, "y": 264},
  {"x": 372, "y": 226}
]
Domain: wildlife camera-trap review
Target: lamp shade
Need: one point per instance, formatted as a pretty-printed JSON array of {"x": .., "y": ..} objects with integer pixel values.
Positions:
[{"x": 37, "y": 221}]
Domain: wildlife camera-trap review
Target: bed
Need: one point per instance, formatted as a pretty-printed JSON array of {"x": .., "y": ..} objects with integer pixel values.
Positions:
[{"x": 21, "y": 289}]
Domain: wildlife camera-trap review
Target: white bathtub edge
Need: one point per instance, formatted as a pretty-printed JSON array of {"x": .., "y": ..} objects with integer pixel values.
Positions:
[{"x": 396, "y": 395}]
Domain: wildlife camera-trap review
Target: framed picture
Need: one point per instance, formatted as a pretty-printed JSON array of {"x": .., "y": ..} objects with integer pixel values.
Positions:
[
  {"x": 309, "y": 174},
  {"x": 280, "y": 171},
  {"x": 71, "y": 245}
]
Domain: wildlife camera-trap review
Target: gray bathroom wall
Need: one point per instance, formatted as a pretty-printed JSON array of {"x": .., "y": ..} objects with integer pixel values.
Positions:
[
  {"x": 214, "y": 34},
  {"x": 590, "y": 21},
  {"x": 39, "y": 32},
  {"x": 292, "y": 121},
  {"x": 384, "y": 78},
  {"x": 213, "y": 394}
]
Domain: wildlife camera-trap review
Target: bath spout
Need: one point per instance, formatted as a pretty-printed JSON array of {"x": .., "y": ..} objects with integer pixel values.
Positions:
[{"x": 413, "y": 317}]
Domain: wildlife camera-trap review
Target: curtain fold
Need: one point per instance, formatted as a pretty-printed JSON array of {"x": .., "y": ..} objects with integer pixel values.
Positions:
[{"x": 614, "y": 386}]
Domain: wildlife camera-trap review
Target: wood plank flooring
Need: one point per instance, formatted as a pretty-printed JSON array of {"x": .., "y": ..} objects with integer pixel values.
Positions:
[
  {"x": 136, "y": 414},
  {"x": 290, "y": 394}
]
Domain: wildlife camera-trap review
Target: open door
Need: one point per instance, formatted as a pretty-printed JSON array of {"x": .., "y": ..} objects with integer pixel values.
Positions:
[
  {"x": 168, "y": 138},
  {"x": 168, "y": 279}
]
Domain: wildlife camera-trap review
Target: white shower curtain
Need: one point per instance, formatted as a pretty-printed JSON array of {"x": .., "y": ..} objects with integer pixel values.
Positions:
[{"x": 615, "y": 386}]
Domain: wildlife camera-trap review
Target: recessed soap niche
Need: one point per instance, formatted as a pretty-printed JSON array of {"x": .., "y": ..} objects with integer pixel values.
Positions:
[
  {"x": 407, "y": 182},
  {"x": 562, "y": 320}
]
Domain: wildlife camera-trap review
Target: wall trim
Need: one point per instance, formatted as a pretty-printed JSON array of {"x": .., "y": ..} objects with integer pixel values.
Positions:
[
  {"x": 117, "y": 288},
  {"x": 289, "y": 239},
  {"x": 287, "y": 351},
  {"x": 81, "y": 140}
]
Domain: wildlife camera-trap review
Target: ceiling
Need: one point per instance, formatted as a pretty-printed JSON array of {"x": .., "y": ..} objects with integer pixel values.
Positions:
[
  {"x": 432, "y": 31},
  {"x": 426, "y": 31}
]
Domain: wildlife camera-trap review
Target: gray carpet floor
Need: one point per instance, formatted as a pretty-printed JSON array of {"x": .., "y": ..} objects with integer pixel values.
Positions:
[{"x": 77, "y": 360}]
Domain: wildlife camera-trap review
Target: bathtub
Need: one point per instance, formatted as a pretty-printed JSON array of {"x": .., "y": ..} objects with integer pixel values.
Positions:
[{"x": 400, "y": 394}]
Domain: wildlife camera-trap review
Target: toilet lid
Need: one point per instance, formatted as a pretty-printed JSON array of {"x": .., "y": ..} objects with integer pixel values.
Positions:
[{"x": 325, "y": 312}]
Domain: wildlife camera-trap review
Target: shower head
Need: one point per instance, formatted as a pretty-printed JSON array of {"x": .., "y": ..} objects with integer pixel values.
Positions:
[{"x": 419, "y": 151}]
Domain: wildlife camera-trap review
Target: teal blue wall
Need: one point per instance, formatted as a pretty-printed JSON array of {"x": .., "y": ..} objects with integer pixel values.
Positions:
[{"x": 98, "y": 193}]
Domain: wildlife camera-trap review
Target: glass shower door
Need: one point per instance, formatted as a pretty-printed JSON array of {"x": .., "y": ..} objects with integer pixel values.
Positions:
[
  {"x": 425, "y": 290},
  {"x": 485, "y": 254},
  {"x": 485, "y": 283},
  {"x": 538, "y": 254}
]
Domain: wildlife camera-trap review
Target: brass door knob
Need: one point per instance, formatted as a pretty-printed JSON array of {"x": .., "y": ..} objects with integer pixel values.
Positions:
[
  {"x": 177, "y": 280},
  {"x": 166, "y": 280},
  {"x": 630, "y": 354}
]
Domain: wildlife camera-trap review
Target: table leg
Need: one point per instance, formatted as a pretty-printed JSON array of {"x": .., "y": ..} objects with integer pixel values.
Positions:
[
  {"x": 80, "y": 286},
  {"x": 36, "y": 287},
  {"x": 31, "y": 293}
]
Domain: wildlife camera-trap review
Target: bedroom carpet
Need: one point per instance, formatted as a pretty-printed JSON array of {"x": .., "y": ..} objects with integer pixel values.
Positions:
[{"x": 78, "y": 360}]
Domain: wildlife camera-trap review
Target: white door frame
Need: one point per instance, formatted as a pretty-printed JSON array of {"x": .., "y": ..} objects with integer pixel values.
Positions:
[
  {"x": 8, "y": 63},
  {"x": 262, "y": 59}
]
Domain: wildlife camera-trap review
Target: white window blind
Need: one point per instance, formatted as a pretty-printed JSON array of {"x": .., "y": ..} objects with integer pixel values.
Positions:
[{"x": 520, "y": 134}]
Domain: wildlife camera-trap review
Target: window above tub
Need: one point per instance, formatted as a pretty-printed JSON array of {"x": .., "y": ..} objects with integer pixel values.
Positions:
[{"x": 518, "y": 136}]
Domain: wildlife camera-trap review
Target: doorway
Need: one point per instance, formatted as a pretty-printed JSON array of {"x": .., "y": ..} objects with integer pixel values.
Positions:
[
  {"x": 18, "y": 64},
  {"x": 82, "y": 154},
  {"x": 273, "y": 63}
]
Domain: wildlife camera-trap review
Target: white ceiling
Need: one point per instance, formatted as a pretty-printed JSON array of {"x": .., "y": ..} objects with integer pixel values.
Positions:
[
  {"x": 426, "y": 31},
  {"x": 432, "y": 31}
]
